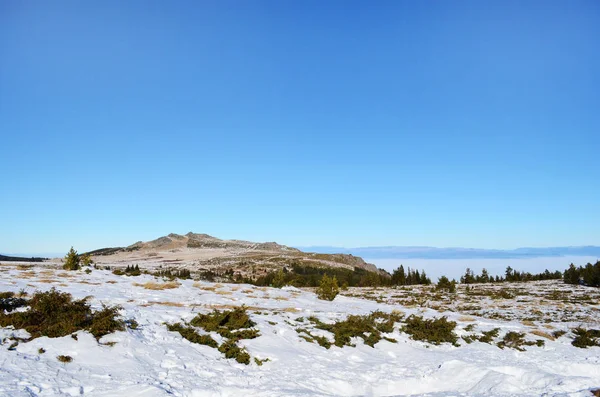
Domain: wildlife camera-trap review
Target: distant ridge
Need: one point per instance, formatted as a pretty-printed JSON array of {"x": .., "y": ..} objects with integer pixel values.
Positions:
[
  {"x": 204, "y": 252},
  {"x": 21, "y": 259},
  {"x": 416, "y": 252}
]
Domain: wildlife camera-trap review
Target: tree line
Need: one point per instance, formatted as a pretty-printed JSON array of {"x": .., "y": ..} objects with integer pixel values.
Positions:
[{"x": 584, "y": 275}]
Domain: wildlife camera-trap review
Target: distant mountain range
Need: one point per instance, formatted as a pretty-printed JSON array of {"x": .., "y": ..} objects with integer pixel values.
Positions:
[{"x": 398, "y": 252}]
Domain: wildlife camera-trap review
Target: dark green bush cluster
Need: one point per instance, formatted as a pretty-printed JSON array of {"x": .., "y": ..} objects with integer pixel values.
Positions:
[
  {"x": 444, "y": 284},
  {"x": 328, "y": 288},
  {"x": 516, "y": 340},
  {"x": 55, "y": 314},
  {"x": 231, "y": 350},
  {"x": 301, "y": 275},
  {"x": 183, "y": 274},
  {"x": 9, "y": 302},
  {"x": 369, "y": 328},
  {"x": 190, "y": 334},
  {"x": 233, "y": 325},
  {"x": 436, "y": 330},
  {"x": 128, "y": 271},
  {"x": 586, "y": 337}
]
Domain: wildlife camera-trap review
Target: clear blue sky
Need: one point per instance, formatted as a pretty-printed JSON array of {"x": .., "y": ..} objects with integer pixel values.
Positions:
[{"x": 348, "y": 123}]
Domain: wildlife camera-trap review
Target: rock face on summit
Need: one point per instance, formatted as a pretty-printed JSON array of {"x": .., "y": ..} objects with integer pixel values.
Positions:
[{"x": 204, "y": 252}]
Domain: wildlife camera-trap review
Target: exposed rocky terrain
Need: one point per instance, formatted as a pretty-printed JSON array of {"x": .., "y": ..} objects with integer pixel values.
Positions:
[{"x": 201, "y": 252}]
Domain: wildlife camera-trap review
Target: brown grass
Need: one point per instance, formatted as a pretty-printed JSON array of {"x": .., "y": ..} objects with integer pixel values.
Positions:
[
  {"x": 466, "y": 318},
  {"x": 171, "y": 304},
  {"x": 24, "y": 267},
  {"x": 528, "y": 323},
  {"x": 542, "y": 334},
  {"x": 47, "y": 281},
  {"x": 158, "y": 286},
  {"x": 26, "y": 274},
  {"x": 223, "y": 292}
]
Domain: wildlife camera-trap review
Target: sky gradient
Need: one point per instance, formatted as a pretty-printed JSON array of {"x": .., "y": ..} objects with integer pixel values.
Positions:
[{"x": 344, "y": 123}]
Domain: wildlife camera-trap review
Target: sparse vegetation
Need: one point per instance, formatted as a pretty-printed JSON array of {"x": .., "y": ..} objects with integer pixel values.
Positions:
[{"x": 64, "y": 359}]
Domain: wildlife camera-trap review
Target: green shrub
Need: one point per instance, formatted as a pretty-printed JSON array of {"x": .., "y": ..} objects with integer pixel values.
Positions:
[
  {"x": 231, "y": 350},
  {"x": 71, "y": 261},
  {"x": 233, "y": 323},
  {"x": 488, "y": 336},
  {"x": 436, "y": 331},
  {"x": 328, "y": 288},
  {"x": 369, "y": 328},
  {"x": 190, "y": 334},
  {"x": 585, "y": 338},
  {"x": 260, "y": 362},
  {"x": 86, "y": 260},
  {"x": 444, "y": 284},
  {"x": 558, "y": 333},
  {"x": 55, "y": 314},
  {"x": 515, "y": 340}
]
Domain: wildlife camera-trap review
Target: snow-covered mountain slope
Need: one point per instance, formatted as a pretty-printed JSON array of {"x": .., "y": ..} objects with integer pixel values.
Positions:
[{"x": 152, "y": 361}]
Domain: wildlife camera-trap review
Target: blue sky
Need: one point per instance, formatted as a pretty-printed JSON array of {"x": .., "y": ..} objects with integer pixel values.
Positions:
[{"x": 346, "y": 123}]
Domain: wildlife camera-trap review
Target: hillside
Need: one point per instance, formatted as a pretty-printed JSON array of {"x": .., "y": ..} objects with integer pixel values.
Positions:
[{"x": 202, "y": 252}]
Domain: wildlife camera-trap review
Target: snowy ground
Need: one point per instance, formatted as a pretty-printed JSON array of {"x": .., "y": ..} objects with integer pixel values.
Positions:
[{"x": 151, "y": 361}]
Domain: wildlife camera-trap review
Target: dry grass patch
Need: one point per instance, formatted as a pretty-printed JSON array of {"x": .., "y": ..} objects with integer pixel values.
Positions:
[
  {"x": 171, "y": 304},
  {"x": 291, "y": 310},
  {"x": 24, "y": 267},
  {"x": 88, "y": 282},
  {"x": 65, "y": 274},
  {"x": 280, "y": 298},
  {"x": 26, "y": 274},
  {"x": 466, "y": 318},
  {"x": 223, "y": 292},
  {"x": 542, "y": 334},
  {"x": 247, "y": 291},
  {"x": 528, "y": 323},
  {"x": 158, "y": 286},
  {"x": 47, "y": 281},
  {"x": 549, "y": 326}
]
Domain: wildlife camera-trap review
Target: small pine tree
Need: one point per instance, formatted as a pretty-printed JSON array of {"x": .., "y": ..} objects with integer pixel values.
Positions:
[
  {"x": 71, "y": 260},
  {"x": 328, "y": 288},
  {"x": 279, "y": 279},
  {"x": 444, "y": 284},
  {"x": 86, "y": 260}
]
